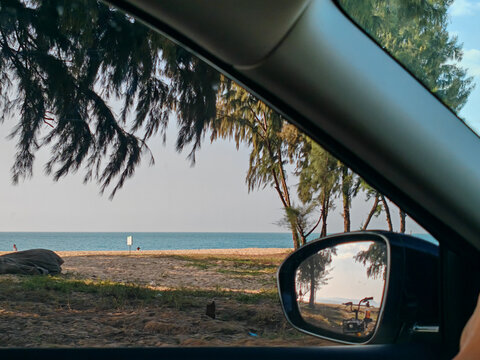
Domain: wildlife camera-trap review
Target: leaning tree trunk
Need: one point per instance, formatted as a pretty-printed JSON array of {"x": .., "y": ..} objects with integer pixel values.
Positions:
[
  {"x": 324, "y": 229},
  {"x": 387, "y": 213},
  {"x": 325, "y": 206},
  {"x": 346, "y": 213},
  {"x": 370, "y": 214},
  {"x": 302, "y": 239},
  {"x": 403, "y": 217},
  {"x": 346, "y": 201},
  {"x": 285, "y": 199}
]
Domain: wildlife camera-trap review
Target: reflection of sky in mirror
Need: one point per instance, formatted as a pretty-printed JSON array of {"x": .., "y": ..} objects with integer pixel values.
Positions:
[{"x": 348, "y": 278}]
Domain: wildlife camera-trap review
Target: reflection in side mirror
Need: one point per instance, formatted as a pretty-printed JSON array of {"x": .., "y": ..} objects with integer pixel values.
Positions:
[
  {"x": 340, "y": 289},
  {"x": 366, "y": 287}
]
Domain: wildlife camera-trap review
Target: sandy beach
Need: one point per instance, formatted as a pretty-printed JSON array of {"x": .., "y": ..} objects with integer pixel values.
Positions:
[
  {"x": 150, "y": 298},
  {"x": 166, "y": 269}
]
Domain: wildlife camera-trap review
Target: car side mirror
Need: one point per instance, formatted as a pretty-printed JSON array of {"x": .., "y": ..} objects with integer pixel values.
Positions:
[{"x": 362, "y": 287}]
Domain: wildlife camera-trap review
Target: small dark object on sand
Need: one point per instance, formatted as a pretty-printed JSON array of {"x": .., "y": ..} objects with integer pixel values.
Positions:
[
  {"x": 31, "y": 262},
  {"x": 211, "y": 310}
]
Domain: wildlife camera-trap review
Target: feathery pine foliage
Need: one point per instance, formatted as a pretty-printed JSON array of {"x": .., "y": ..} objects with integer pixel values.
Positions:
[
  {"x": 349, "y": 188},
  {"x": 312, "y": 273},
  {"x": 273, "y": 143},
  {"x": 376, "y": 258},
  {"x": 319, "y": 181},
  {"x": 64, "y": 62}
]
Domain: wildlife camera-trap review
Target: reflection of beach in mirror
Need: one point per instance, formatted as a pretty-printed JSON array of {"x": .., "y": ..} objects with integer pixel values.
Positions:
[{"x": 340, "y": 289}]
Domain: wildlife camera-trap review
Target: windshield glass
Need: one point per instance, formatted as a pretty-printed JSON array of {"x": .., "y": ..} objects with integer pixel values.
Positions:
[{"x": 435, "y": 40}]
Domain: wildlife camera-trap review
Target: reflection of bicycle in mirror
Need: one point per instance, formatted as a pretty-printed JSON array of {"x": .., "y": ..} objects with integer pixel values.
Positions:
[{"x": 355, "y": 326}]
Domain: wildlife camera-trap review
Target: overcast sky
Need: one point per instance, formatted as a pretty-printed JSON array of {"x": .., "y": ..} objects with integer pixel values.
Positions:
[{"x": 172, "y": 195}]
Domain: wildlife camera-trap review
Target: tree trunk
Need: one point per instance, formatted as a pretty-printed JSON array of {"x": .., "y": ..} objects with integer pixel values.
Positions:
[
  {"x": 314, "y": 226},
  {"x": 387, "y": 213},
  {"x": 295, "y": 238},
  {"x": 324, "y": 229},
  {"x": 303, "y": 239},
  {"x": 346, "y": 214},
  {"x": 370, "y": 214},
  {"x": 285, "y": 199},
  {"x": 346, "y": 201},
  {"x": 311, "y": 301},
  {"x": 403, "y": 217},
  {"x": 325, "y": 205}
]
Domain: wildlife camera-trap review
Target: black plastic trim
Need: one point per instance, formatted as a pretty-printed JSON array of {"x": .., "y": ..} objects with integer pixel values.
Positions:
[{"x": 211, "y": 353}]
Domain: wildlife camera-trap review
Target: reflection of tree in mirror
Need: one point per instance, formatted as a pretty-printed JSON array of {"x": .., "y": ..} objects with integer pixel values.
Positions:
[
  {"x": 312, "y": 273},
  {"x": 376, "y": 257}
]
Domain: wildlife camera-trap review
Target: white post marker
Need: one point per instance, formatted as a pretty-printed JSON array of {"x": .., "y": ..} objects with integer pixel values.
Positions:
[{"x": 129, "y": 243}]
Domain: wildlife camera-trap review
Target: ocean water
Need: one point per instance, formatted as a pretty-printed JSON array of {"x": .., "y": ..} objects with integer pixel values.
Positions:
[
  {"x": 95, "y": 241},
  {"x": 70, "y": 241}
]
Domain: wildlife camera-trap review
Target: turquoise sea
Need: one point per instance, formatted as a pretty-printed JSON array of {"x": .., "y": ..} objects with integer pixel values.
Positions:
[{"x": 95, "y": 241}]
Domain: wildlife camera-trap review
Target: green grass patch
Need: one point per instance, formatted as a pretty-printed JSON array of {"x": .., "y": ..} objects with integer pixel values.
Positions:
[
  {"x": 103, "y": 288},
  {"x": 199, "y": 263},
  {"x": 261, "y": 264},
  {"x": 256, "y": 298},
  {"x": 115, "y": 294},
  {"x": 223, "y": 265},
  {"x": 66, "y": 292},
  {"x": 182, "y": 299}
]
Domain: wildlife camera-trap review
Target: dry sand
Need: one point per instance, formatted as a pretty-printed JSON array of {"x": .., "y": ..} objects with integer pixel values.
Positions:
[{"x": 167, "y": 269}]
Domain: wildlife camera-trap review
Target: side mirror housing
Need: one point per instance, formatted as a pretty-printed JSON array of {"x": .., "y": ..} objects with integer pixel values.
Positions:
[{"x": 363, "y": 287}]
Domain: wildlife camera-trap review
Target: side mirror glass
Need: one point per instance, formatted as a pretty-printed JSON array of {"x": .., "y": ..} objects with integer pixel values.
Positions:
[
  {"x": 363, "y": 287},
  {"x": 340, "y": 289}
]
